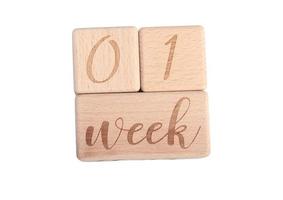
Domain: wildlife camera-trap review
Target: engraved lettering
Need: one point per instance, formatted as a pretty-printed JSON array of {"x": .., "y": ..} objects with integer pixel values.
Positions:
[
  {"x": 154, "y": 127},
  {"x": 176, "y": 130},
  {"x": 104, "y": 135},
  {"x": 172, "y": 41},
  {"x": 91, "y": 55}
]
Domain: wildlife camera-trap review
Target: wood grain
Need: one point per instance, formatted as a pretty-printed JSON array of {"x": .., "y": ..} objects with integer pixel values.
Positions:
[
  {"x": 142, "y": 125},
  {"x": 106, "y": 60},
  {"x": 172, "y": 58}
]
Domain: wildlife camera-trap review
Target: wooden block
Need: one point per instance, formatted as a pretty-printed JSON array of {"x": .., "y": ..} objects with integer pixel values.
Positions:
[
  {"x": 106, "y": 60},
  {"x": 142, "y": 125},
  {"x": 172, "y": 58}
]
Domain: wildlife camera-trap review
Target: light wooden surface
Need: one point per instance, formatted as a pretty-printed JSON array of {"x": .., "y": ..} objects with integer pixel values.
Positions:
[
  {"x": 106, "y": 60},
  {"x": 142, "y": 125},
  {"x": 172, "y": 58}
]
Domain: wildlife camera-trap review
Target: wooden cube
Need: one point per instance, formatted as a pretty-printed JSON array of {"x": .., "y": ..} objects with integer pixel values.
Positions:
[
  {"x": 172, "y": 58},
  {"x": 142, "y": 125},
  {"x": 106, "y": 60}
]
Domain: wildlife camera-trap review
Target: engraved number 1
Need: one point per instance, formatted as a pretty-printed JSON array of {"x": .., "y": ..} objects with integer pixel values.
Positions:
[{"x": 172, "y": 41}]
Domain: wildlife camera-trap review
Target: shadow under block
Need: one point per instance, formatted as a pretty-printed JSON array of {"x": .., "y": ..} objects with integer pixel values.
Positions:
[
  {"x": 142, "y": 126},
  {"x": 106, "y": 60},
  {"x": 172, "y": 58}
]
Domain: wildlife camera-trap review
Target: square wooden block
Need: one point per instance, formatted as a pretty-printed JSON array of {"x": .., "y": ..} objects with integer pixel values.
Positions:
[
  {"x": 106, "y": 60},
  {"x": 172, "y": 58},
  {"x": 142, "y": 126}
]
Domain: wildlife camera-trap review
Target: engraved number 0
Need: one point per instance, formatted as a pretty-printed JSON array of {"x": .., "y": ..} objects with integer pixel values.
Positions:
[
  {"x": 172, "y": 41},
  {"x": 91, "y": 55}
]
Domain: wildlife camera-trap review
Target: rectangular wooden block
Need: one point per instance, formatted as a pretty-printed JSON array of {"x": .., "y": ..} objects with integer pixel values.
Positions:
[
  {"x": 142, "y": 125},
  {"x": 106, "y": 60},
  {"x": 172, "y": 58}
]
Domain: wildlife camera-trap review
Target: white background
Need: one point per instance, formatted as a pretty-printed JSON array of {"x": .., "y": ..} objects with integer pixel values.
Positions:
[{"x": 244, "y": 47}]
